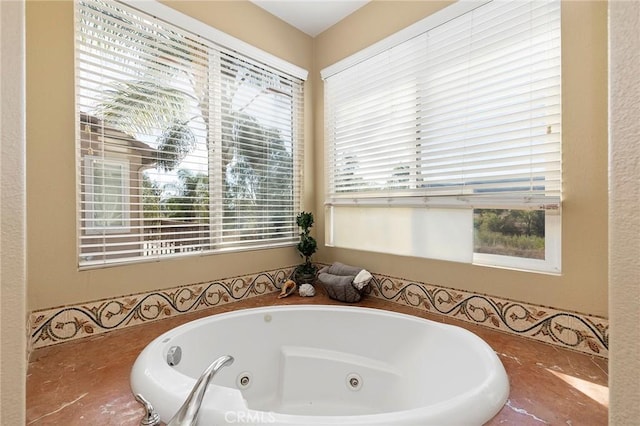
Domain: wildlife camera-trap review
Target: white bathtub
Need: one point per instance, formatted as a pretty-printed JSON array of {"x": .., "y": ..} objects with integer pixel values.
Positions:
[{"x": 300, "y": 361}]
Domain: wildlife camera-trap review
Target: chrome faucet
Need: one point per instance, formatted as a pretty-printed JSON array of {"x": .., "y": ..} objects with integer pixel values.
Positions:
[
  {"x": 151, "y": 416},
  {"x": 187, "y": 415}
]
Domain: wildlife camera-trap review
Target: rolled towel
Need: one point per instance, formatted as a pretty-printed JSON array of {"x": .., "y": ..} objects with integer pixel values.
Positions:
[
  {"x": 362, "y": 279},
  {"x": 338, "y": 268},
  {"x": 339, "y": 287},
  {"x": 333, "y": 279}
]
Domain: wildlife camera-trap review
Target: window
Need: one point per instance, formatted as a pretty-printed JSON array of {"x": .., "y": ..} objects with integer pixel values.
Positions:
[
  {"x": 506, "y": 232},
  {"x": 459, "y": 113},
  {"x": 188, "y": 141},
  {"x": 107, "y": 198}
]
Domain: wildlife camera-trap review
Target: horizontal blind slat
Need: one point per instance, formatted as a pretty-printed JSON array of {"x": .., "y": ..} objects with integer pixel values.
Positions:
[{"x": 470, "y": 106}]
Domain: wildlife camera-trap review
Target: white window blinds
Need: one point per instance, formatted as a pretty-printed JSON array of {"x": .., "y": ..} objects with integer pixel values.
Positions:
[
  {"x": 464, "y": 109},
  {"x": 183, "y": 145}
]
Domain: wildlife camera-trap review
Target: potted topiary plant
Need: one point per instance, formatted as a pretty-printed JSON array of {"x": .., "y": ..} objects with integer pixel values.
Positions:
[{"x": 305, "y": 273}]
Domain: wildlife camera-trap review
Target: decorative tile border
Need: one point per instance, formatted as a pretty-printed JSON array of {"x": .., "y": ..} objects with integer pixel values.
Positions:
[
  {"x": 57, "y": 325},
  {"x": 583, "y": 333}
]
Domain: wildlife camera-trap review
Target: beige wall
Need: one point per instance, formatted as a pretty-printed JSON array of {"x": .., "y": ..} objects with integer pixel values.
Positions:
[
  {"x": 583, "y": 284},
  {"x": 53, "y": 277},
  {"x": 624, "y": 222}
]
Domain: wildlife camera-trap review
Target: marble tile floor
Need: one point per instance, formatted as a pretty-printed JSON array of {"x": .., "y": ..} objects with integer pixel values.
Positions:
[{"x": 86, "y": 382}]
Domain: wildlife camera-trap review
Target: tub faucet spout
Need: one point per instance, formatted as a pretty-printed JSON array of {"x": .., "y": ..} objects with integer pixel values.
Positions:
[{"x": 187, "y": 415}]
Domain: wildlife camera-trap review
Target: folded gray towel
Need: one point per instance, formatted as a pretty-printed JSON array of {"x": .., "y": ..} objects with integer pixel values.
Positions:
[
  {"x": 332, "y": 279},
  {"x": 340, "y": 287},
  {"x": 341, "y": 269}
]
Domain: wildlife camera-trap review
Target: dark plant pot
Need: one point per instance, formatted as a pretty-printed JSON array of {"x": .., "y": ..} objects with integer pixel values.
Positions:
[{"x": 304, "y": 278}]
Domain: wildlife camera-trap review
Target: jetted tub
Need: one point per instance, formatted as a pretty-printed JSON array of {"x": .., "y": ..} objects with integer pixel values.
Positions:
[{"x": 325, "y": 365}]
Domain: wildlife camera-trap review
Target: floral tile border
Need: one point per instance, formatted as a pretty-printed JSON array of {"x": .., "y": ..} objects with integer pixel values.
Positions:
[
  {"x": 57, "y": 325},
  {"x": 583, "y": 333}
]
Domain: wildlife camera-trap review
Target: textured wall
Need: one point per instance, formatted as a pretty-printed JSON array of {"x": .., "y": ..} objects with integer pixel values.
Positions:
[
  {"x": 624, "y": 219},
  {"x": 12, "y": 218}
]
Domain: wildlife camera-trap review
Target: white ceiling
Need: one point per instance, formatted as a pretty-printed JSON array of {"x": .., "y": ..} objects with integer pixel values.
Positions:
[{"x": 311, "y": 16}]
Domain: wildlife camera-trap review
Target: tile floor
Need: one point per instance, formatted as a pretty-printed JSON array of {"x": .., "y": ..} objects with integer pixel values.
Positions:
[{"x": 86, "y": 382}]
